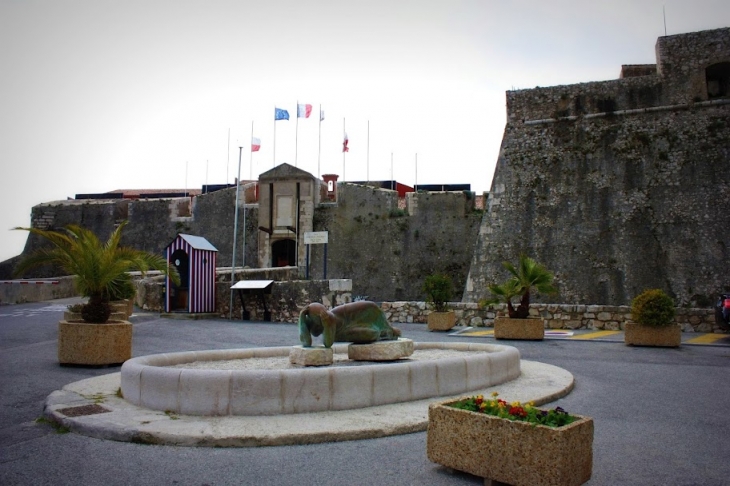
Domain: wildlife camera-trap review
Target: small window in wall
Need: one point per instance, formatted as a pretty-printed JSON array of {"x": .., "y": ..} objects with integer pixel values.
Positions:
[
  {"x": 718, "y": 80},
  {"x": 330, "y": 186}
]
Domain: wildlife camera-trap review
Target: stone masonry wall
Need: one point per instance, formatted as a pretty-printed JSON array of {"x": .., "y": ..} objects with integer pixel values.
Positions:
[
  {"x": 388, "y": 251},
  {"x": 614, "y": 204},
  {"x": 556, "y": 316}
]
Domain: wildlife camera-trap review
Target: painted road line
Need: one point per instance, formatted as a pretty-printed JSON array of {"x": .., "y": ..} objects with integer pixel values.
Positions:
[
  {"x": 558, "y": 334},
  {"x": 477, "y": 333},
  {"x": 706, "y": 339},
  {"x": 594, "y": 335}
]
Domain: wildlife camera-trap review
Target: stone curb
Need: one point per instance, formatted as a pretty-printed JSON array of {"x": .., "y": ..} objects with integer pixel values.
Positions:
[{"x": 540, "y": 383}]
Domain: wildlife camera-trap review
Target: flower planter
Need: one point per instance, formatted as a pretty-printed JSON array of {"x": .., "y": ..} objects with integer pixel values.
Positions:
[
  {"x": 511, "y": 452},
  {"x": 508, "y": 328},
  {"x": 441, "y": 321},
  {"x": 638, "y": 335},
  {"x": 82, "y": 343}
]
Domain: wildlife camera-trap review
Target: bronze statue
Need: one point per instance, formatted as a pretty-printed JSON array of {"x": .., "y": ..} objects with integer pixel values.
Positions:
[{"x": 360, "y": 322}]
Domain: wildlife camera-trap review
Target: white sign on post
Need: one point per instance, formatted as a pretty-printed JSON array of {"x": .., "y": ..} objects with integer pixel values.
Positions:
[{"x": 315, "y": 237}]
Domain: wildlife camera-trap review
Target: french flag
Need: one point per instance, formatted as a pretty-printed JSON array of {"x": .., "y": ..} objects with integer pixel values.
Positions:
[
  {"x": 255, "y": 144},
  {"x": 303, "y": 111}
]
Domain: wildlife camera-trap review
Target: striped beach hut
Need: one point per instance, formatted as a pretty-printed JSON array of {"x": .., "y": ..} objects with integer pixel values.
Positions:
[{"x": 195, "y": 260}]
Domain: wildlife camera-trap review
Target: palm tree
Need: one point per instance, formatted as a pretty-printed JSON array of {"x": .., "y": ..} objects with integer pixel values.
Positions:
[
  {"x": 526, "y": 276},
  {"x": 100, "y": 270}
]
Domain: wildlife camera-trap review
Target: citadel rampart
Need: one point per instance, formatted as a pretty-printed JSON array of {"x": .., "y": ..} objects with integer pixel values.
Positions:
[
  {"x": 618, "y": 186},
  {"x": 385, "y": 250}
]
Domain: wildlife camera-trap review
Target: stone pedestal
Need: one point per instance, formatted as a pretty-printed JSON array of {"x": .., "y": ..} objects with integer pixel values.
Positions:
[
  {"x": 316, "y": 356},
  {"x": 381, "y": 350}
]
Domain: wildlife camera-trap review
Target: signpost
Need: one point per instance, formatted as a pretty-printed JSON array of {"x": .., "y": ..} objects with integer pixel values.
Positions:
[{"x": 317, "y": 238}]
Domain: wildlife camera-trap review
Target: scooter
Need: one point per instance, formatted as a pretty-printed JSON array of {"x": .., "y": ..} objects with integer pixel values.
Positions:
[{"x": 722, "y": 312}]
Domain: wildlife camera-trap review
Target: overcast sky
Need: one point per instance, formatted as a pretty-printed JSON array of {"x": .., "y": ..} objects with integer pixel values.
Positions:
[{"x": 97, "y": 95}]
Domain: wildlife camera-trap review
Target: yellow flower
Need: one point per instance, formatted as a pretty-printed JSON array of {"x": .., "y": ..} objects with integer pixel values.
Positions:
[
  {"x": 515, "y": 404},
  {"x": 495, "y": 394}
]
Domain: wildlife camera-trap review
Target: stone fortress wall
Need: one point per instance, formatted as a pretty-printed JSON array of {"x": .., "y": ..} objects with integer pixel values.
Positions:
[
  {"x": 386, "y": 251},
  {"x": 618, "y": 186}
]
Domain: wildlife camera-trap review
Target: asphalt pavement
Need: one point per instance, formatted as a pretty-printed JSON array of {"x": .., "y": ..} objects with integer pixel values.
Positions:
[{"x": 660, "y": 414}]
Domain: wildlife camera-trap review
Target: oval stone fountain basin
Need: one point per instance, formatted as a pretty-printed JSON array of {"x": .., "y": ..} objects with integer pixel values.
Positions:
[{"x": 152, "y": 382}]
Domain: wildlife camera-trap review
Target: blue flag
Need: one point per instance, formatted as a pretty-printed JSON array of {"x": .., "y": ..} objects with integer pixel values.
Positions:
[{"x": 280, "y": 114}]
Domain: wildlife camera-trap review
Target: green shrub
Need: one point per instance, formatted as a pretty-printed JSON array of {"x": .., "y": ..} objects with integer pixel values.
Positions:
[
  {"x": 653, "y": 308},
  {"x": 438, "y": 290}
]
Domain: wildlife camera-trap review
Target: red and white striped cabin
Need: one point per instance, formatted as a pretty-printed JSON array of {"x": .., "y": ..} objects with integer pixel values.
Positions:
[{"x": 195, "y": 260}]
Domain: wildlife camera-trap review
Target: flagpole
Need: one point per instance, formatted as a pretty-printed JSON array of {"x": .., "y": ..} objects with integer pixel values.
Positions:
[
  {"x": 415, "y": 188},
  {"x": 206, "y": 176},
  {"x": 250, "y": 164},
  {"x": 319, "y": 144},
  {"x": 228, "y": 148},
  {"x": 273, "y": 164},
  {"x": 235, "y": 234},
  {"x": 367, "y": 164},
  {"x": 344, "y": 134},
  {"x": 392, "y": 181},
  {"x": 296, "y": 137}
]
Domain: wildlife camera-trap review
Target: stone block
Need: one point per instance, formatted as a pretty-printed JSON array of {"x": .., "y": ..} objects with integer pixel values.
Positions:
[
  {"x": 381, "y": 350},
  {"x": 314, "y": 356}
]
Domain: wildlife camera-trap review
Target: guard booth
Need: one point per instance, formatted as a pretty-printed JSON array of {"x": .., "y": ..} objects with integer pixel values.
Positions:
[{"x": 195, "y": 260}]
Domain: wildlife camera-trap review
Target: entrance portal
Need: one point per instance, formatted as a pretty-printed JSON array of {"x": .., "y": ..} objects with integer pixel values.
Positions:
[
  {"x": 283, "y": 253},
  {"x": 180, "y": 293}
]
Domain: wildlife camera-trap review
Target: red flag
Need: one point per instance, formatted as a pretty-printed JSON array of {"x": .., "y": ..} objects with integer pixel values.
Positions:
[
  {"x": 345, "y": 148},
  {"x": 255, "y": 144}
]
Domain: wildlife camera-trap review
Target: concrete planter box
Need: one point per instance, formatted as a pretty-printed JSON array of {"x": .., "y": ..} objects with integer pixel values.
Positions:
[
  {"x": 639, "y": 335},
  {"x": 516, "y": 453},
  {"x": 508, "y": 328},
  {"x": 441, "y": 321},
  {"x": 81, "y": 343},
  {"x": 124, "y": 307},
  {"x": 76, "y": 316}
]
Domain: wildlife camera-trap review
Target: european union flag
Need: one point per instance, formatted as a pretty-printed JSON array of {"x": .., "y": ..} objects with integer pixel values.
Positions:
[{"x": 280, "y": 114}]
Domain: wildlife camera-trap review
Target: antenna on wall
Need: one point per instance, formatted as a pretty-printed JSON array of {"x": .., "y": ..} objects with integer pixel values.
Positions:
[{"x": 664, "y": 14}]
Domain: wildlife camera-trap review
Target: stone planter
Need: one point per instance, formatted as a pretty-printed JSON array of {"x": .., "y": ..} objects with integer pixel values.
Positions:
[
  {"x": 638, "y": 335},
  {"x": 81, "y": 343},
  {"x": 516, "y": 453},
  {"x": 441, "y": 321},
  {"x": 508, "y": 328},
  {"x": 124, "y": 307},
  {"x": 76, "y": 316}
]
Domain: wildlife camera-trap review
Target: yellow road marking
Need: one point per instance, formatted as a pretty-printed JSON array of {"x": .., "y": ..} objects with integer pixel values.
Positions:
[
  {"x": 594, "y": 335},
  {"x": 477, "y": 333},
  {"x": 707, "y": 338}
]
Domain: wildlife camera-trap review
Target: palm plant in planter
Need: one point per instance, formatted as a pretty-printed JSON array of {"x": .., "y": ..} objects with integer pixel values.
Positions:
[
  {"x": 526, "y": 276},
  {"x": 652, "y": 313},
  {"x": 100, "y": 272},
  {"x": 439, "y": 289}
]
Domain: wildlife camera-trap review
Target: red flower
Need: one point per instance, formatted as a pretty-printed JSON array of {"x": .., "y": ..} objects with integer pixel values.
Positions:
[{"x": 517, "y": 412}]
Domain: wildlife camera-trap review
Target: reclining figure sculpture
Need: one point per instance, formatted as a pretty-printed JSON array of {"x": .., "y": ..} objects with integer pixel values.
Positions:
[{"x": 360, "y": 322}]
